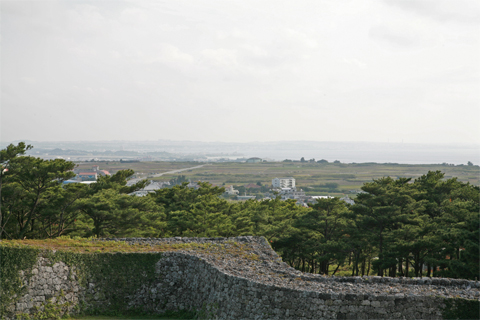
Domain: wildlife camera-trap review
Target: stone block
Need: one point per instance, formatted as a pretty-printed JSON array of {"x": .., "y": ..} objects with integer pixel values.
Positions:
[
  {"x": 365, "y": 302},
  {"x": 351, "y": 297},
  {"x": 21, "y": 306},
  {"x": 375, "y": 304},
  {"x": 381, "y": 311}
]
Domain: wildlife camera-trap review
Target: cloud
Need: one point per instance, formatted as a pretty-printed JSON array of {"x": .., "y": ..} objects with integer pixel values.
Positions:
[
  {"x": 133, "y": 16},
  {"x": 87, "y": 20},
  {"x": 29, "y": 80},
  {"x": 171, "y": 54},
  {"x": 460, "y": 11},
  {"x": 397, "y": 38},
  {"x": 356, "y": 62},
  {"x": 166, "y": 54},
  {"x": 404, "y": 34},
  {"x": 300, "y": 38},
  {"x": 254, "y": 51},
  {"x": 224, "y": 58}
]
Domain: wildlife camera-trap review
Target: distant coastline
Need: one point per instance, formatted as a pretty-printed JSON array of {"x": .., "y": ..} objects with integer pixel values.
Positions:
[{"x": 347, "y": 152}]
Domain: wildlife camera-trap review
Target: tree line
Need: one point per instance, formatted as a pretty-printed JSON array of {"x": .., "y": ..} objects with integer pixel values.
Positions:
[{"x": 399, "y": 227}]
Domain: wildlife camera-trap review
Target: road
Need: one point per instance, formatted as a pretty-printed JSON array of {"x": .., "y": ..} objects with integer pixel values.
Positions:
[
  {"x": 133, "y": 181},
  {"x": 177, "y": 171}
]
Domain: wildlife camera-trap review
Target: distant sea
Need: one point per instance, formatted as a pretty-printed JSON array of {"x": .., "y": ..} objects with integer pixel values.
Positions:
[
  {"x": 347, "y": 152},
  {"x": 361, "y": 152}
]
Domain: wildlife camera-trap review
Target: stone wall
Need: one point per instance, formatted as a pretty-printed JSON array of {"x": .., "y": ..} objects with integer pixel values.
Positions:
[
  {"x": 243, "y": 278},
  {"x": 190, "y": 282},
  {"x": 47, "y": 283}
]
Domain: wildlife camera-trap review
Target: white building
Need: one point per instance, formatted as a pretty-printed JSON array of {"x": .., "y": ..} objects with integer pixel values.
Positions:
[
  {"x": 348, "y": 200},
  {"x": 229, "y": 190},
  {"x": 283, "y": 183},
  {"x": 291, "y": 193},
  {"x": 321, "y": 197},
  {"x": 245, "y": 197}
]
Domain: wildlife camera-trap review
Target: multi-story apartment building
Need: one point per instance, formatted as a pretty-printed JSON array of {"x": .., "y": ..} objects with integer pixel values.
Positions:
[{"x": 283, "y": 183}]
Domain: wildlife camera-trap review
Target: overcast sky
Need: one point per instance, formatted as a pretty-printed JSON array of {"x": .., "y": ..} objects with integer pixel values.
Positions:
[{"x": 405, "y": 70}]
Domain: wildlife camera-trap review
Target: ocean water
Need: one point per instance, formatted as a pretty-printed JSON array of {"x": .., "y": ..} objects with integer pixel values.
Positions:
[{"x": 347, "y": 152}]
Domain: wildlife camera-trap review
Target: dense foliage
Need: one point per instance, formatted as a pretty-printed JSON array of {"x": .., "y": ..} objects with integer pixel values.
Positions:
[{"x": 397, "y": 227}]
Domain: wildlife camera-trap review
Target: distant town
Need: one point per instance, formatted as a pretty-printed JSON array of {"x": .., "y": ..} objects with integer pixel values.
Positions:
[{"x": 285, "y": 188}]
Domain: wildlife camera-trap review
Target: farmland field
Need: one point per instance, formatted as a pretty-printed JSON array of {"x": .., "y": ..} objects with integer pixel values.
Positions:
[{"x": 347, "y": 176}]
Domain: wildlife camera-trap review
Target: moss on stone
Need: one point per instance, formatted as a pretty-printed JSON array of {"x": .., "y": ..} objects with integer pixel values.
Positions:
[
  {"x": 14, "y": 259},
  {"x": 461, "y": 309},
  {"x": 108, "y": 276}
]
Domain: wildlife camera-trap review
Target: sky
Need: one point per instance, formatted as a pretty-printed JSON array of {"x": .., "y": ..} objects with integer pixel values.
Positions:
[{"x": 241, "y": 70}]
